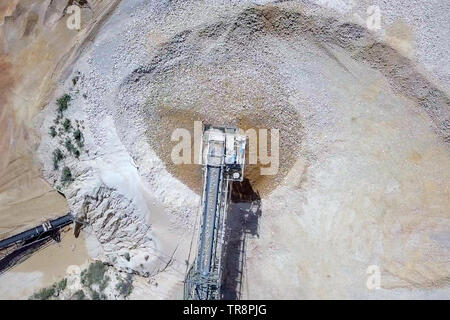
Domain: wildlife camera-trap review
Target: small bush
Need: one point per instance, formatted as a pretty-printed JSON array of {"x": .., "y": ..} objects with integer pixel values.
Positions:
[
  {"x": 69, "y": 146},
  {"x": 98, "y": 295},
  {"x": 63, "y": 102},
  {"x": 52, "y": 131},
  {"x": 104, "y": 283},
  {"x": 93, "y": 274},
  {"x": 95, "y": 295},
  {"x": 57, "y": 157},
  {"x": 75, "y": 80},
  {"x": 79, "y": 295},
  {"x": 67, "y": 125},
  {"x": 60, "y": 286},
  {"x": 78, "y": 136},
  {"x": 52, "y": 291},
  {"x": 66, "y": 177},
  {"x": 125, "y": 286},
  {"x": 43, "y": 294}
]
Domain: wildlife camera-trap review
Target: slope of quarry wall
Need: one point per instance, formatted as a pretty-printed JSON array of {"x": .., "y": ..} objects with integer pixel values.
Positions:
[{"x": 35, "y": 48}]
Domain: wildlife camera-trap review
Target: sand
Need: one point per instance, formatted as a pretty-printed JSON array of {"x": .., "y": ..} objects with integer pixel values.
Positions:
[{"x": 47, "y": 266}]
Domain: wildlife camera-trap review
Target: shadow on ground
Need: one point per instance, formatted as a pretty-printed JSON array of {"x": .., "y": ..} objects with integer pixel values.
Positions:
[{"x": 242, "y": 220}]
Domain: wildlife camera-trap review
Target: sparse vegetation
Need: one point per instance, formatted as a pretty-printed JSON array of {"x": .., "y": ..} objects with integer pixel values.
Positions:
[
  {"x": 78, "y": 136},
  {"x": 67, "y": 125},
  {"x": 104, "y": 283},
  {"x": 125, "y": 286},
  {"x": 75, "y": 80},
  {"x": 98, "y": 295},
  {"x": 50, "y": 292},
  {"x": 66, "y": 177},
  {"x": 79, "y": 295},
  {"x": 43, "y": 294},
  {"x": 93, "y": 274},
  {"x": 60, "y": 286},
  {"x": 63, "y": 102},
  {"x": 60, "y": 128},
  {"x": 95, "y": 295},
  {"x": 69, "y": 146},
  {"x": 57, "y": 157},
  {"x": 52, "y": 131},
  {"x": 94, "y": 281}
]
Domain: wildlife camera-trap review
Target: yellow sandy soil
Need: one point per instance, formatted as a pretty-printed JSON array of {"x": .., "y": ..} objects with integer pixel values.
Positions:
[
  {"x": 44, "y": 268},
  {"x": 33, "y": 56}
]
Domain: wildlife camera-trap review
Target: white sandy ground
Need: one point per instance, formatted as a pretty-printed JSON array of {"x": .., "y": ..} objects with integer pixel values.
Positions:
[
  {"x": 380, "y": 180},
  {"x": 371, "y": 185}
]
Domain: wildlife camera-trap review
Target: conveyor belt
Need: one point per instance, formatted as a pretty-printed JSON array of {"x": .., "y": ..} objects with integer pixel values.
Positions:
[
  {"x": 212, "y": 192},
  {"x": 36, "y": 231},
  {"x": 203, "y": 279}
]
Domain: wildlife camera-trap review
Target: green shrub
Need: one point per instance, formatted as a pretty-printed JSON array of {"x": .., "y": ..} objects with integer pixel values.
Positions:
[
  {"x": 66, "y": 177},
  {"x": 52, "y": 131},
  {"x": 95, "y": 295},
  {"x": 78, "y": 136},
  {"x": 98, "y": 295},
  {"x": 75, "y": 80},
  {"x": 104, "y": 283},
  {"x": 60, "y": 286},
  {"x": 44, "y": 294},
  {"x": 69, "y": 146},
  {"x": 67, "y": 125},
  {"x": 79, "y": 295},
  {"x": 57, "y": 157},
  {"x": 93, "y": 274},
  {"x": 52, "y": 291},
  {"x": 125, "y": 286},
  {"x": 63, "y": 102}
]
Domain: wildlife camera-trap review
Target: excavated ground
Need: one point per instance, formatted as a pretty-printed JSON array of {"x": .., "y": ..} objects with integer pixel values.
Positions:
[{"x": 364, "y": 133}]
